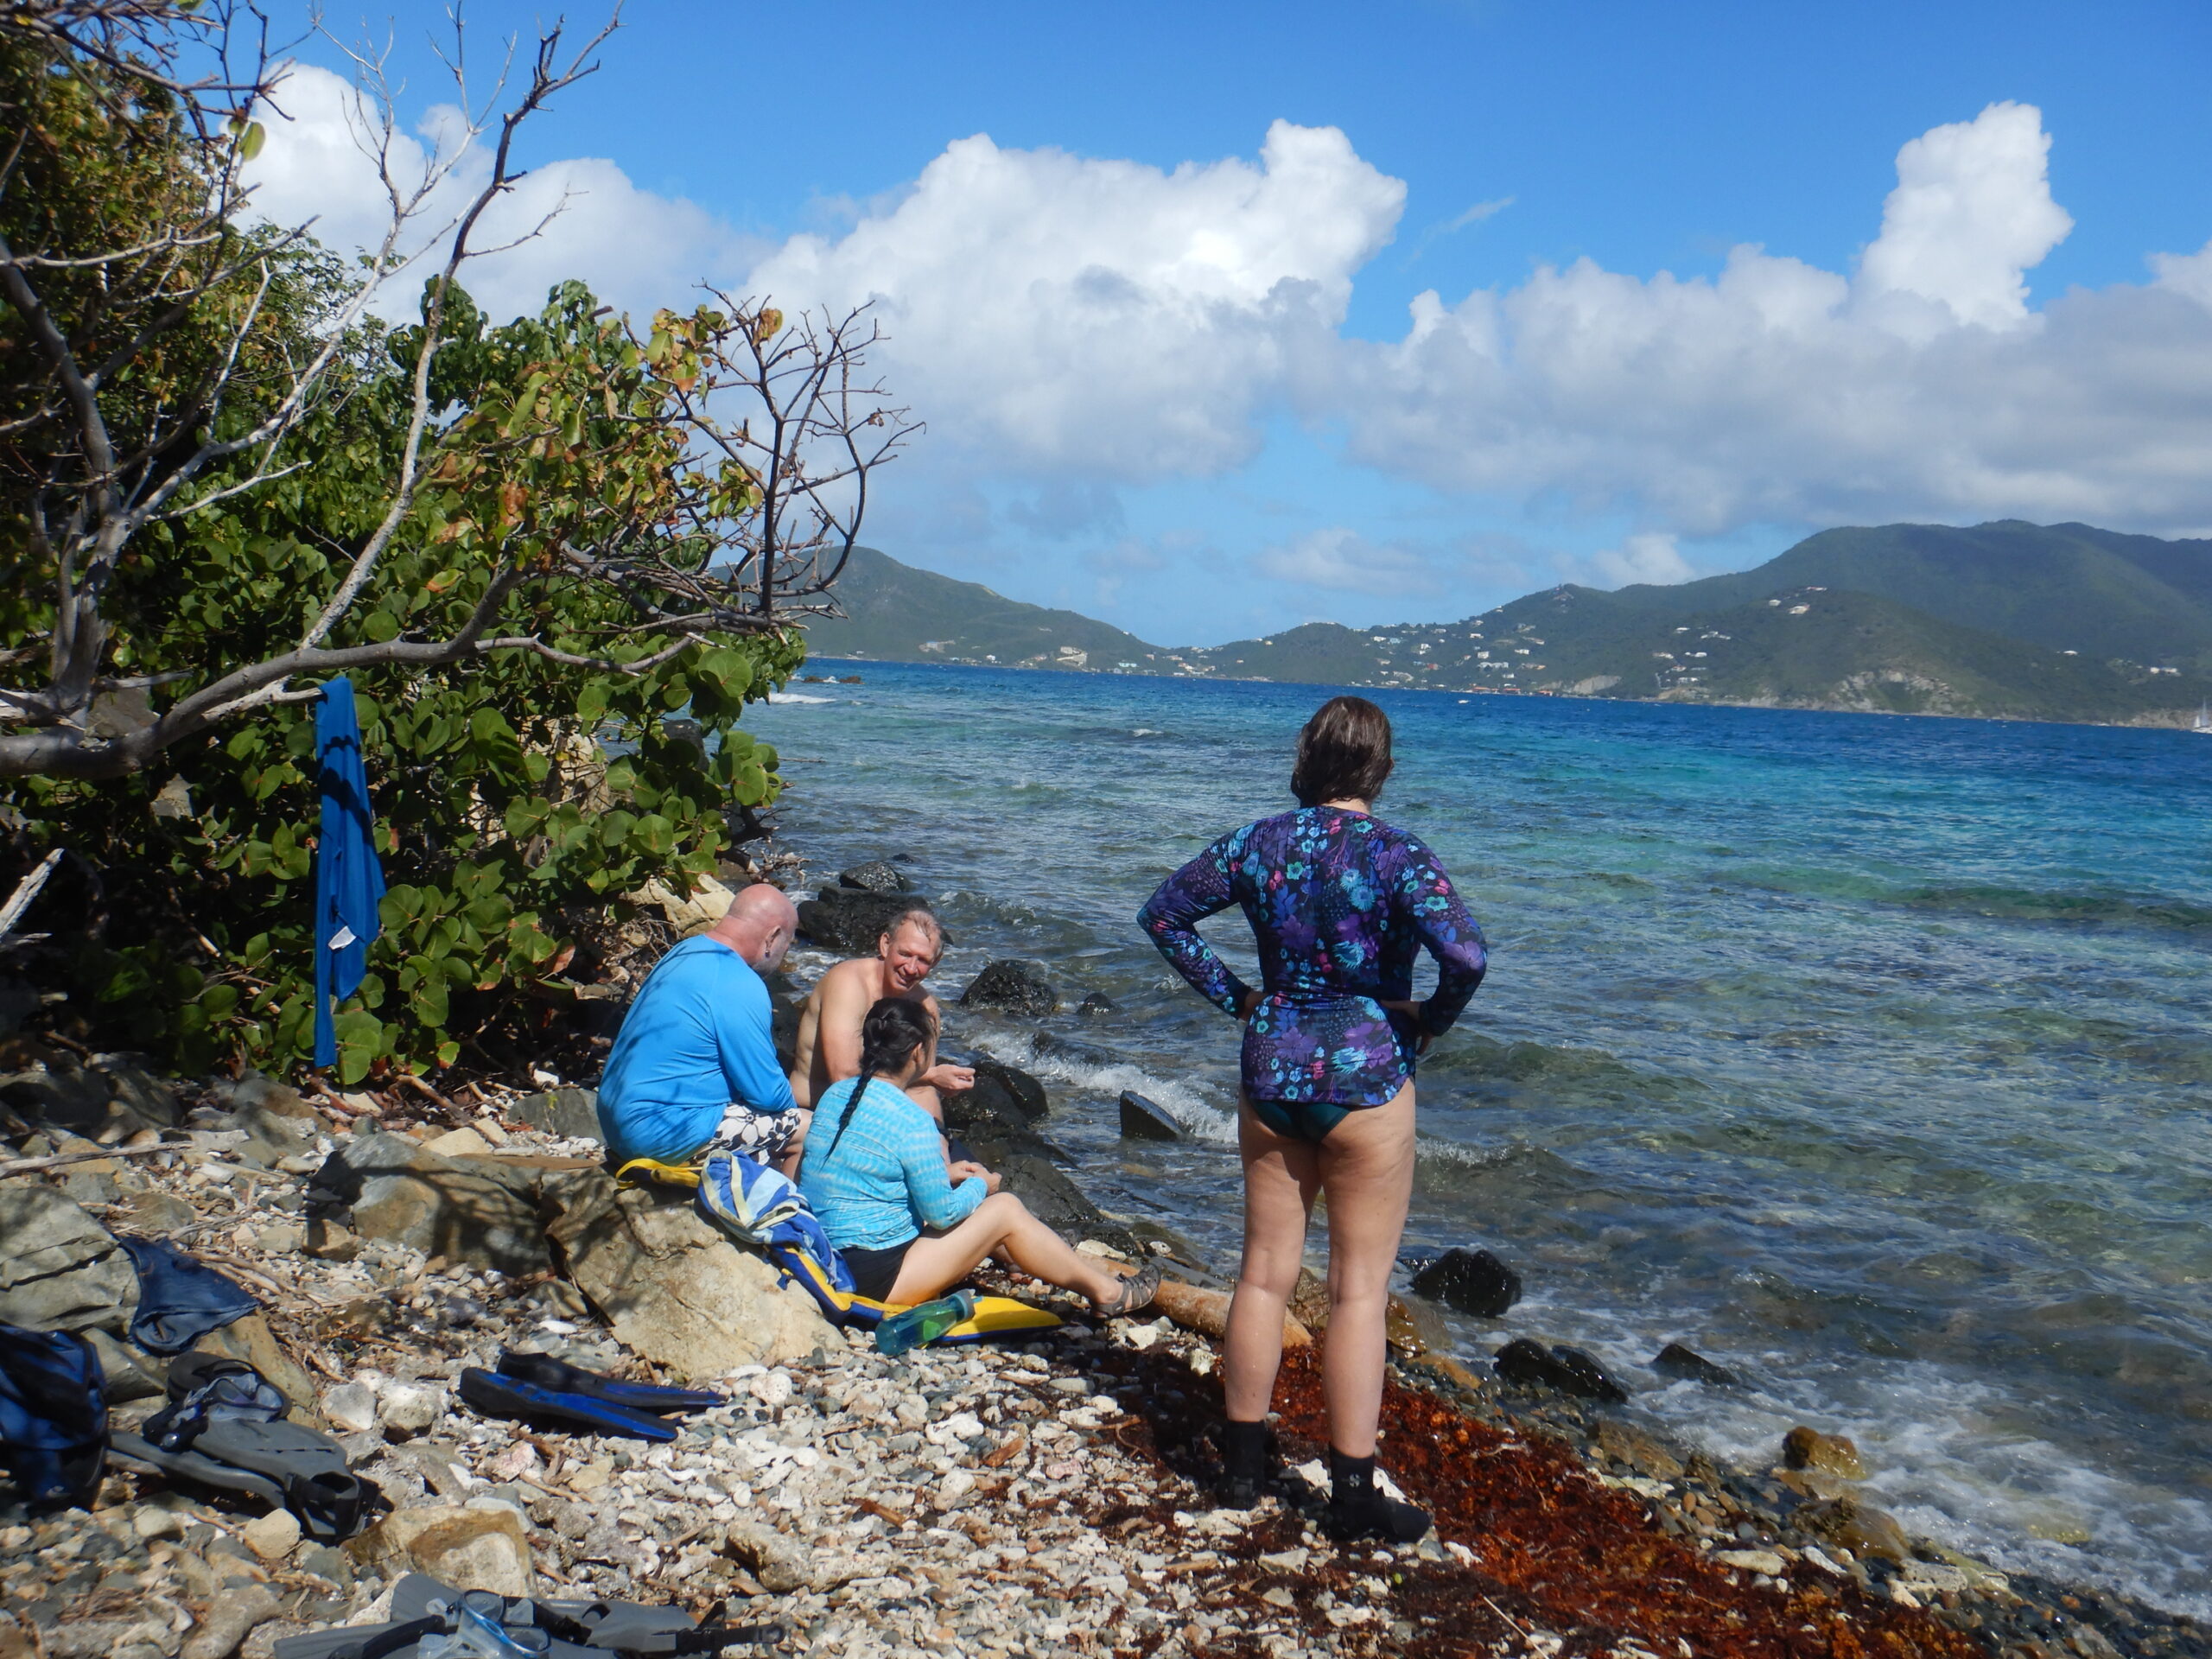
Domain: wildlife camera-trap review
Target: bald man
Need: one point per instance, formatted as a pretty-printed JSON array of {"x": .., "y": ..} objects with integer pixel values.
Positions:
[{"x": 694, "y": 1066}]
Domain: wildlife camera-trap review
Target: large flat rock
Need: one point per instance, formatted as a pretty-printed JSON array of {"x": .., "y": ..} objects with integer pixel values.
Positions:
[
  {"x": 478, "y": 1209},
  {"x": 60, "y": 1269},
  {"x": 674, "y": 1288}
]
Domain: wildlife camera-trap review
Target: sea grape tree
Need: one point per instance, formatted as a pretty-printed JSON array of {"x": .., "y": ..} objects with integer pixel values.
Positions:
[{"x": 224, "y": 481}]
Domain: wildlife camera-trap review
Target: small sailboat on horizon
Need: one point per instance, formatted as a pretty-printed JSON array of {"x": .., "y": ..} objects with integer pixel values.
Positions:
[{"x": 2204, "y": 727}]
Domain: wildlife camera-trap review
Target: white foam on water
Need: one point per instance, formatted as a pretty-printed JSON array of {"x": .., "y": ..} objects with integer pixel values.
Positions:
[
  {"x": 1197, "y": 1106},
  {"x": 1190, "y": 1104},
  {"x": 1940, "y": 1454},
  {"x": 1939, "y": 1461},
  {"x": 1145, "y": 731},
  {"x": 796, "y": 697}
]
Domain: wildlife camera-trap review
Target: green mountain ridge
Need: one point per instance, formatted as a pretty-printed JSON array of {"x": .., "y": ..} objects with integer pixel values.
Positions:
[
  {"x": 2005, "y": 621},
  {"x": 895, "y": 613}
]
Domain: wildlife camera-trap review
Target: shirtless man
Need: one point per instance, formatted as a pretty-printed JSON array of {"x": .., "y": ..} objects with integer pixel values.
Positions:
[{"x": 829, "y": 1046}]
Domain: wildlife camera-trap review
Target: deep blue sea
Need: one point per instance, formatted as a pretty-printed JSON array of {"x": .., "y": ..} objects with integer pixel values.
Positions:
[{"x": 1869, "y": 1055}]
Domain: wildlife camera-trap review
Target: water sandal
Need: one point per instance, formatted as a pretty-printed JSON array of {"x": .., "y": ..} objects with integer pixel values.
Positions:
[{"x": 1137, "y": 1292}]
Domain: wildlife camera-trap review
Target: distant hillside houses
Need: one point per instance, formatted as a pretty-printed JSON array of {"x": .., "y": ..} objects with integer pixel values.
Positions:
[{"x": 2006, "y": 621}]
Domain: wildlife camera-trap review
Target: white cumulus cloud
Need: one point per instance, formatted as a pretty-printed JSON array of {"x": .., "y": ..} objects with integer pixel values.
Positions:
[
  {"x": 635, "y": 248},
  {"x": 1922, "y": 386},
  {"x": 1347, "y": 562},
  {"x": 1972, "y": 214},
  {"x": 1072, "y": 326},
  {"x": 1648, "y": 556},
  {"x": 1102, "y": 317}
]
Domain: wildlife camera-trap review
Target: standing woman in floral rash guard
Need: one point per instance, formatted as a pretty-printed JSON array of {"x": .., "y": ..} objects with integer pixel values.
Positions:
[{"x": 1340, "y": 902}]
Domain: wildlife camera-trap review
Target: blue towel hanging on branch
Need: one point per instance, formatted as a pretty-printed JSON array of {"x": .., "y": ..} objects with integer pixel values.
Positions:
[{"x": 348, "y": 882}]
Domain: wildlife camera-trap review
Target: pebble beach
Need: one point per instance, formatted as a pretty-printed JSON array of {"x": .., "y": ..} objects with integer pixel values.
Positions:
[{"x": 1045, "y": 1498}]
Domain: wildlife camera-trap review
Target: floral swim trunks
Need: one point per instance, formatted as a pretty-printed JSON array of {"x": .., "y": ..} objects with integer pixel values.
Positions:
[{"x": 762, "y": 1136}]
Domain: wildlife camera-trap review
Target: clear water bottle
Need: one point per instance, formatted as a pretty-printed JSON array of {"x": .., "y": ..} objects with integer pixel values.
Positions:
[{"x": 924, "y": 1322}]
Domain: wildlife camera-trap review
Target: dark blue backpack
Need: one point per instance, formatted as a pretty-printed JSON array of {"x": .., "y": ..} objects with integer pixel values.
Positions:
[{"x": 53, "y": 1415}]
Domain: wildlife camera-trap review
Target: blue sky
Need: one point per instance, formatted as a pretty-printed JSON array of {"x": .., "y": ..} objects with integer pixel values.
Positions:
[{"x": 1168, "y": 362}]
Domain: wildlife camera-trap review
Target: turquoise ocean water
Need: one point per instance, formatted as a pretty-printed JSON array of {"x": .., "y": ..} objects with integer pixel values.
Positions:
[{"x": 1871, "y": 1057}]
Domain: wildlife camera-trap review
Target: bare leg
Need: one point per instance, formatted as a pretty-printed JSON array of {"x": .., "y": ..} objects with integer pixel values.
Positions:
[
  {"x": 1366, "y": 1170},
  {"x": 1281, "y": 1177},
  {"x": 1003, "y": 1227}
]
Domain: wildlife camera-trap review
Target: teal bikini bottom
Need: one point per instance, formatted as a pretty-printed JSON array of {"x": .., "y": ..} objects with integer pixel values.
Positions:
[{"x": 1300, "y": 1120}]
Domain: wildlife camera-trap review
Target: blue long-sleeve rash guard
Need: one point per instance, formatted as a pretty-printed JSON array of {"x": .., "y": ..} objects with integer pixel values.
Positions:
[{"x": 696, "y": 1038}]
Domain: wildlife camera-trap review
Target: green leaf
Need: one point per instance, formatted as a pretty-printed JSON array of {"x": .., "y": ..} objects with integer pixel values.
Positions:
[
  {"x": 494, "y": 742},
  {"x": 250, "y": 141},
  {"x": 653, "y": 836},
  {"x": 360, "y": 1045},
  {"x": 428, "y": 1003},
  {"x": 732, "y": 668}
]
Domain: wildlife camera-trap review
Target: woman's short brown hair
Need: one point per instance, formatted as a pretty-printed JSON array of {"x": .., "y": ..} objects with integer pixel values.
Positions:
[{"x": 1343, "y": 754}]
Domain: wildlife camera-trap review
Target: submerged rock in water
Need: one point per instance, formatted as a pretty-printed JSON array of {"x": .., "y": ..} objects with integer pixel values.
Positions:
[
  {"x": 1144, "y": 1120},
  {"x": 1562, "y": 1369},
  {"x": 1096, "y": 1004},
  {"x": 1012, "y": 987},
  {"x": 1591, "y": 1379},
  {"x": 1834, "y": 1455},
  {"x": 1686, "y": 1364},
  {"x": 1858, "y": 1527},
  {"x": 1470, "y": 1281},
  {"x": 1647, "y": 1456},
  {"x": 995, "y": 1119},
  {"x": 875, "y": 876},
  {"x": 852, "y": 919}
]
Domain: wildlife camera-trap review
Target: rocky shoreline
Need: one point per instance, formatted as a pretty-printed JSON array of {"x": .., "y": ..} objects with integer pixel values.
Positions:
[{"x": 1045, "y": 1498}]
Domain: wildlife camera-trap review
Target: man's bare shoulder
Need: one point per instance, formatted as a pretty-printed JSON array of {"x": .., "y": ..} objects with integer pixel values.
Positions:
[{"x": 848, "y": 980}]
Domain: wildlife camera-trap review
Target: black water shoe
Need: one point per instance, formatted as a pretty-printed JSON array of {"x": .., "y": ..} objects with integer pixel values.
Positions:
[
  {"x": 1247, "y": 1450},
  {"x": 1360, "y": 1509}
]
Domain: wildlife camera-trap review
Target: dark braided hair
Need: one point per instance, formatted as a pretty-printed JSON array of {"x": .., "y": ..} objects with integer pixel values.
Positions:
[{"x": 893, "y": 1029}]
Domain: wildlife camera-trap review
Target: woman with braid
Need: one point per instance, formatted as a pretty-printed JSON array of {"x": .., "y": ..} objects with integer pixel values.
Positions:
[{"x": 874, "y": 1171}]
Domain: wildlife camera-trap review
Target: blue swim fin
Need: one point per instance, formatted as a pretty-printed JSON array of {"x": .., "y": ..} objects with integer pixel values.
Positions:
[
  {"x": 512, "y": 1396},
  {"x": 548, "y": 1372}
]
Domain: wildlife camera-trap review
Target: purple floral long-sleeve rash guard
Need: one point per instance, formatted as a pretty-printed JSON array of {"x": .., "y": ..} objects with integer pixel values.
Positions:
[{"x": 1338, "y": 902}]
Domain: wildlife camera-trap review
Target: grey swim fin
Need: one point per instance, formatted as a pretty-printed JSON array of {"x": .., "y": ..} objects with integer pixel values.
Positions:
[{"x": 295, "y": 1468}]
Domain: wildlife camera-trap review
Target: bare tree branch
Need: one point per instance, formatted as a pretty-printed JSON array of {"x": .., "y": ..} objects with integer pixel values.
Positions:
[{"x": 769, "y": 428}]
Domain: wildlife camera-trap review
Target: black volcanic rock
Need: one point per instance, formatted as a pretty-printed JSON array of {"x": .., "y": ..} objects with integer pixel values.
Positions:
[
  {"x": 875, "y": 876},
  {"x": 993, "y": 1118},
  {"x": 1470, "y": 1281},
  {"x": 1562, "y": 1369},
  {"x": 852, "y": 919},
  {"x": 1145, "y": 1120},
  {"x": 1012, "y": 987},
  {"x": 1686, "y": 1364}
]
